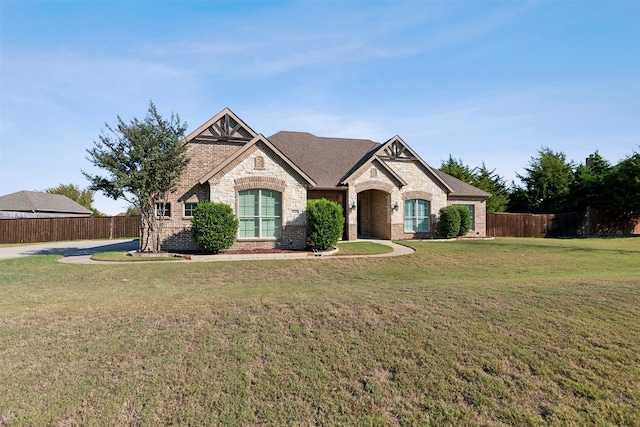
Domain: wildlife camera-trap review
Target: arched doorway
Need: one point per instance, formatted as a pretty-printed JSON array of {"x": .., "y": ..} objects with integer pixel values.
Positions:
[{"x": 374, "y": 214}]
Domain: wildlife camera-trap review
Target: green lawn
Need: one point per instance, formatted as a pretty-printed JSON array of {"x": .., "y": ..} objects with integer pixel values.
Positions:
[{"x": 501, "y": 332}]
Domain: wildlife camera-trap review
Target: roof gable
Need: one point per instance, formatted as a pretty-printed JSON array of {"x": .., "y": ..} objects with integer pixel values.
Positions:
[
  {"x": 245, "y": 151},
  {"x": 224, "y": 126},
  {"x": 396, "y": 149},
  {"x": 34, "y": 201}
]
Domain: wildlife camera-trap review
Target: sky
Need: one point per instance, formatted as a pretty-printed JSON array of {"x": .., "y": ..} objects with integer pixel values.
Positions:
[{"x": 481, "y": 81}]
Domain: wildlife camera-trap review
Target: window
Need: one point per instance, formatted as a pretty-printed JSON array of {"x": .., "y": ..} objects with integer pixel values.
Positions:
[
  {"x": 472, "y": 211},
  {"x": 259, "y": 212},
  {"x": 189, "y": 208},
  {"x": 416, "y": 215},
  {"x": 167, "y": 209}
]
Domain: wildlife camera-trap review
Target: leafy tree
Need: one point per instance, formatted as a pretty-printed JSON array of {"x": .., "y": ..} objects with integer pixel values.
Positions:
[
  {"x": 144, "y": 160},
  {"x": 465, "y": 219},
  {"x": 214, "y": 226},
  {"x": 133, "y": 211},
  {"x": 325, "y": 222},
  {"x": 449, "y": 223},
  {"x": 622, "y": 185},
  {"x": 547, "y": 181},
  {"x": 82, "y": 197}
]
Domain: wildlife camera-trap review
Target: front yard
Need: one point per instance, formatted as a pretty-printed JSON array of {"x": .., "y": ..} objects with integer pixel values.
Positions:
[{"x": 502, "y": 332}]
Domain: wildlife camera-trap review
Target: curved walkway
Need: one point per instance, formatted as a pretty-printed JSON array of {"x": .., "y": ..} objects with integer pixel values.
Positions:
[{"x": 80, "y": 252}]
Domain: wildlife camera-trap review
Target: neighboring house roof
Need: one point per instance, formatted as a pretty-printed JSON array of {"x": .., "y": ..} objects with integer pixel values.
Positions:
[
  {"x": 461, "y": 188},
  {"x": 326, "y": 160},
  {"x": 33, "y": 201}
]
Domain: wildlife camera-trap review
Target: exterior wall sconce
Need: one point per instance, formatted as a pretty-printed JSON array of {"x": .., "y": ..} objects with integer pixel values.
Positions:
[
  {"x": 395, "y": 206},
  {"x": 353, "y": 206}
]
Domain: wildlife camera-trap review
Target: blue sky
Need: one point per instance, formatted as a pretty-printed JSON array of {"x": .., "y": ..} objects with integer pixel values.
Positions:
[{"x": 481, "y": 81}]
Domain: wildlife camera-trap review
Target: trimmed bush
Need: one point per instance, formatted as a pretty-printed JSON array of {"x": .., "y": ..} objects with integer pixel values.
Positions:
[
  {"x": 325, "y": 222},
  {"x": 449, "y": 224},
  {"x": 465, "y": 219},
  {"x": 214, "y": 226}
]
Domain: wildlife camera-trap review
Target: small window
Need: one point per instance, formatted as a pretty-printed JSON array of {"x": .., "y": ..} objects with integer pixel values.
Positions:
[
  {"x": 416, "y": 215},
  {"x": 189, "y": 208},
  {"x": 163, "y": 209},
  {"x": 472, "y": 211}
]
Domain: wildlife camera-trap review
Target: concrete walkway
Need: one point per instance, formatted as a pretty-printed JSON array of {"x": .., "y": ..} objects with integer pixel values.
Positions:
[{"x": 79, "y": 252}]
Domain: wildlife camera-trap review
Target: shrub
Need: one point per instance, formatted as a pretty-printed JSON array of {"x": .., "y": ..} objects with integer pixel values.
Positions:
[
  {"x": 214, "y": 226},
  {"x": 325, "y": 222},
  {"x": 465, "y": 219},
  {"x": 449, "y": 224}
]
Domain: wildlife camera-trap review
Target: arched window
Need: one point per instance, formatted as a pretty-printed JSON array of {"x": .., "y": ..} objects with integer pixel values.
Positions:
[
  {"x": 260, "y": 213},
  {"x": 416, "y": 215}
]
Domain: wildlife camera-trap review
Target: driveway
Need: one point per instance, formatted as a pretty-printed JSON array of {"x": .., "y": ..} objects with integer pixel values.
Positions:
[{"x": 69, "y": 249}]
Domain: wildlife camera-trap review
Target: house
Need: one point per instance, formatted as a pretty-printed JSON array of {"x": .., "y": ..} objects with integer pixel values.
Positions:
[
  {"x": 386, "y": 190},
  {"x": 33, "y": 204}
]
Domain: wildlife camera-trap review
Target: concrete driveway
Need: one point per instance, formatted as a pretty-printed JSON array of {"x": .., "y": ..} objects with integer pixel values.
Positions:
[{"x": 77, "y": 248}]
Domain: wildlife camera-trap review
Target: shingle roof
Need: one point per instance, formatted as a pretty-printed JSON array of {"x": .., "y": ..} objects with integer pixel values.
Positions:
[
  {"x": 461, "y": 188},
  {"x": 329, "y": 160},
  {"x": 33, "y": 201},
  {"x": 325, "y": 160}
]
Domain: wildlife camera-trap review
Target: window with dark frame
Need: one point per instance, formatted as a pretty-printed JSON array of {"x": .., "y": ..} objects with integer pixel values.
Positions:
[
  {"x": 167, "y": 210},
  {"x": 189, "y": 208}
]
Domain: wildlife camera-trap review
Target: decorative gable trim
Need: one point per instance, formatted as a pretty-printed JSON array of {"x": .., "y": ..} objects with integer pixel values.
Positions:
[
  {"x": 398, "y": 150},
  {"x": 224, "y": 126},
  {"x": 244, "y": 152}
]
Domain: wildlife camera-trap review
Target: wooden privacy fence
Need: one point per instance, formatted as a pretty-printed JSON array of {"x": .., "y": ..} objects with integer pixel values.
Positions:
[
  {"x": 591, "y": 223},
  {"x": 31, "y": 230},
  {"x": 534, "y": 225}
]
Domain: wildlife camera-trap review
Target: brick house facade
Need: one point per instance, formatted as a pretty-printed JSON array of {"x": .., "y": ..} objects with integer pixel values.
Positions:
[{"x": 386, "y": 190}]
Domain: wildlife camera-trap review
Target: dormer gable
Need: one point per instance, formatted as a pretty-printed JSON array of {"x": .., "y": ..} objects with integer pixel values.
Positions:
[{"x": 224, "y": 126}]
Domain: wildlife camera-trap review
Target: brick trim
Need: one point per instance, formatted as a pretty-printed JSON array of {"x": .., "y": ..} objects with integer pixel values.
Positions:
[
  {"x": 373, "y": 185},
  {"x": 410, "y": 195},
  {"x": 269, "y": 183}
]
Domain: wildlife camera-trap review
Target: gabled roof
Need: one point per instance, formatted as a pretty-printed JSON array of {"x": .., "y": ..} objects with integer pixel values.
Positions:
[
  {"x": 326, "y": 160},
  {"x": 461, "y": 188},
  {"x": 396, "y": 149},
  {"x": 246, "y": 150},
  {"x": 224, "y": 126},
  {"x": 33, "y": 201}
]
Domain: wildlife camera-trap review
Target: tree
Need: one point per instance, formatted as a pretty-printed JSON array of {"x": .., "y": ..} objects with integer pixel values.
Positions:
[
  {"x": 493, "y": 184},
  {"x": 482, "y": 178},
  {"x": 457, "y": 169},
  {"x": 622, "y": 185},
  {"x": 547, "y": 181},
  {"x": 325, "y": 222},
  {"x": 214, "y": 226},
  {"x": 82, "y": 197},
  {"x": 588, "y": 187},
  {"x": 144, "y": 161}
]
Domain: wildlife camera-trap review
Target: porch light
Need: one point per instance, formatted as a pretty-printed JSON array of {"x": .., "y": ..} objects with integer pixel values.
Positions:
[
  {"x": 395, "y": 206},
  {"x": 353, "y": 206}
]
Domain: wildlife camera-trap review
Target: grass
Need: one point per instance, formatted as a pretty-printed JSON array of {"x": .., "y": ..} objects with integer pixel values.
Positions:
[
  {"x": 362, "y": 248},
  {"x": 502, "y": 332}
]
